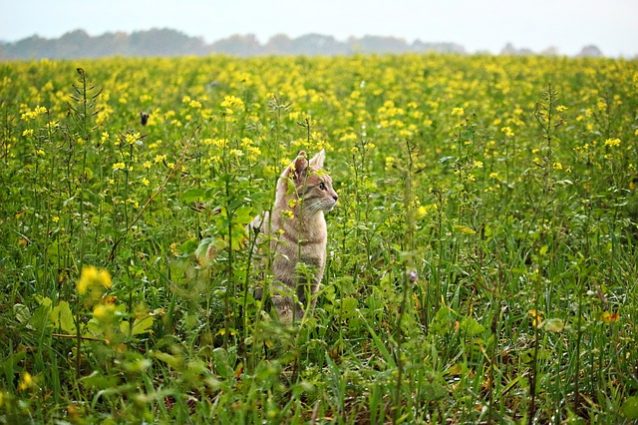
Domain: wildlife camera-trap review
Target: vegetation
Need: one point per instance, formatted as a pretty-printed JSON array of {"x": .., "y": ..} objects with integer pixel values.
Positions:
[
  {"x": 482, "y": 261},
  {"x": 169, "y": 42}
]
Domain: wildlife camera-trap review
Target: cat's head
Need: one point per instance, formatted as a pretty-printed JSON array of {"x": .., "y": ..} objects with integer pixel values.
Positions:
[{"x": 313, "y": 185}]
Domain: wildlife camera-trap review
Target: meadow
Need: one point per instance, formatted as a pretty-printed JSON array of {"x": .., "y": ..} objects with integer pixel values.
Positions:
[{"x": 482, "y": 257}]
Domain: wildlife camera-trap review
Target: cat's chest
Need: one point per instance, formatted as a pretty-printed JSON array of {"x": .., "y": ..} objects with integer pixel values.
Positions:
[
  {"x": 306, "y": 239},
  {"x": 312, "y": 241}
]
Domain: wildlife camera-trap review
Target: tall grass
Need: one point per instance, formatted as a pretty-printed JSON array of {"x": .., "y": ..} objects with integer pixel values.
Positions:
[{"x": 481, "y": 263}]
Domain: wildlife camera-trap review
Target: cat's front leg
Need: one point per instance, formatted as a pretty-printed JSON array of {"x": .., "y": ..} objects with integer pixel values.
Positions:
[{"x": 285, "y": 304}]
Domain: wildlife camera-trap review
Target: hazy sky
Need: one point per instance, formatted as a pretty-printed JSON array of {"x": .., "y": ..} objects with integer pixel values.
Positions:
[{"x": 478, "y": 25}]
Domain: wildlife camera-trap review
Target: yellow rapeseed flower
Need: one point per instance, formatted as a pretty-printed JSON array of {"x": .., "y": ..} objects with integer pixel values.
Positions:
[
  {"x": 612, "y": 142},
  {"x": 131, "y": 138},
  {"x": 93, "y": 280},
  {"x": 507, "y": 131},
  {"x": 104, "y": 312},
  {"x": 26, "y": 382},
  {"x": 458, "y": 112},
  {"x": 232, "y": 104},
  {"x": 537, "y": 317}
]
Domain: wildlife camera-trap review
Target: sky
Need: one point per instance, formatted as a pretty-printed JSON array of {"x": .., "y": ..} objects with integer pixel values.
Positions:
[{"x": 612, "y": 25}]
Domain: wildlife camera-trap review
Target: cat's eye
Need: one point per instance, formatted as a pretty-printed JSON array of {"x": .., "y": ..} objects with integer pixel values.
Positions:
[{"x": 322, "y": 186}]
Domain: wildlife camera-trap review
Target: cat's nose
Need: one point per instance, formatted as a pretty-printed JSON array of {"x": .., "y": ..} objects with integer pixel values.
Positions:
[{"x": 335, "y": 197}]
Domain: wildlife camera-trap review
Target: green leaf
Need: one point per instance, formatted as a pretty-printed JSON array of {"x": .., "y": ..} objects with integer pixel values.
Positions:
[
  {"x": 143, "y": 325},
  {"x": 173, "y": 361},
  {"x": 630, "y": 407},
  {"x": 97, "y": 381},
  {"x": 22, "y": 313},
  {"x": 434, "y": 387},
  {"x": 192, "y": 195},
  {"x": 349, "y": 307},
  {"x": 94, "y": 328},
  {"x": 221, "y": 363},
  {"x": 554, "y": 325},
  {"x": 443, "y": 321},
  {"x": 464, "y": 229},
  {"x": 188, "y": 247},
  {"x": 62, "y": 317},
  {"x": 12, "y": 362},
  {"x": 471, "y": 327},
  {"x": 45, "y": 301}
]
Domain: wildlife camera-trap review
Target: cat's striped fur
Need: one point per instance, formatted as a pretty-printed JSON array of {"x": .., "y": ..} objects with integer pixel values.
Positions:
[{"x": 297, "y": 233}]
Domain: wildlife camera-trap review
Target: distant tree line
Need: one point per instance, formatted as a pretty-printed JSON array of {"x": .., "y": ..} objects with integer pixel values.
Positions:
[{"x": 168, "y": 42}]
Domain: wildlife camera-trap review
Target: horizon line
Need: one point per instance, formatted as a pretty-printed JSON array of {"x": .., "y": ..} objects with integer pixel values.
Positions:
[{"x": 264, "y": 41}]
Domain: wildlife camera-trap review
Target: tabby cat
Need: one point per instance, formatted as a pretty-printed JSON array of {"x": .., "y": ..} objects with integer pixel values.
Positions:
[{"x": 297, "y": 234}]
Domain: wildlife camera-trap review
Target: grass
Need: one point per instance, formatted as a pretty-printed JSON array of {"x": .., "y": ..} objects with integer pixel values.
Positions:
[{"x": 481, "y": 260}]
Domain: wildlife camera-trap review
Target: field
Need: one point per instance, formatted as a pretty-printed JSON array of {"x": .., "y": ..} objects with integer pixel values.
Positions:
[{"x": 482, "y": 258}]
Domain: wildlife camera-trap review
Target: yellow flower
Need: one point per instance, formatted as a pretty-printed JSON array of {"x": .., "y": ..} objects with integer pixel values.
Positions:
[
  {"x": 561, "y": 108},
  {"x": 118, "y": 166},
  {"x": 557, "y": 166},
  {"x": 612, "y": 142},
  {"x": 507, "y": 131},
  {"x": 389, "y": 161},
  {"x": 145, "y": 181},
  {"x": 405, "y": 133},
  {"x": 29, "y": 115},
  {"x": 601, "y": 105},
  {"x": 92, "y": 279},
  {"x": 26, "y": 382},
  {"x": 477, "y": 164},
  {"x": 220, "y": 143},
  {"x": 458, "y": 112},
  {"x": 131, "y": 138},
  {"x": 424, "y": 210},
  {"x": 104, "y": 312},
  {"x": 232, "y": 104},
  {"x": 609, "y": 318},
  {"x": 348, "y": 137},
  {"x": 537, "y": 317}
]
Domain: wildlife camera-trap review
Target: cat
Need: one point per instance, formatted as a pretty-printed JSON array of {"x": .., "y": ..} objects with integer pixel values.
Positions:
[{"x": 297, "y": 233}]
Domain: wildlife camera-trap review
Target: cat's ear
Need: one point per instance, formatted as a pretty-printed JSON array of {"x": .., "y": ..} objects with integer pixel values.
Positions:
[
  {"x": 301, "y": 166},
  {"x": 317, "y": 161}
]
